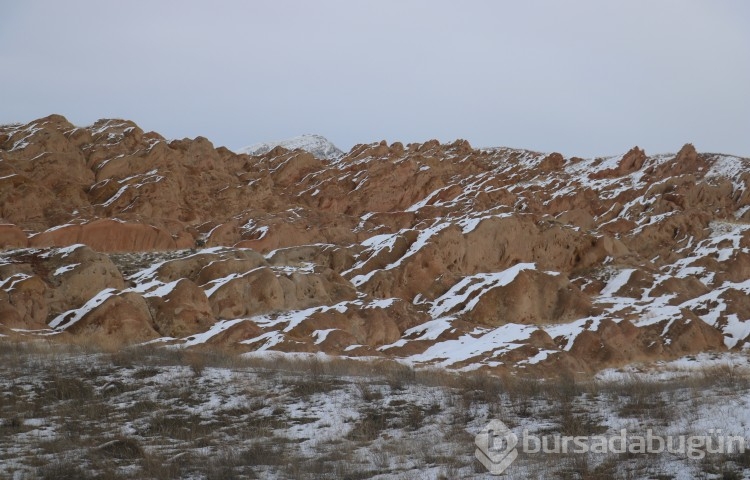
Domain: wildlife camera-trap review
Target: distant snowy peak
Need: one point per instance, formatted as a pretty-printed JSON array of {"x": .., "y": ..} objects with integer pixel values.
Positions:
[{"x": 318, "y": 145}]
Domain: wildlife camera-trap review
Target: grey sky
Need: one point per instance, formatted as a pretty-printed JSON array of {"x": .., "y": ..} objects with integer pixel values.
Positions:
[{"x": 580, "y": 77}]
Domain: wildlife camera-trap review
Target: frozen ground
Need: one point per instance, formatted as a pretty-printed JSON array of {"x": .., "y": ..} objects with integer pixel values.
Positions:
[{"x": 155, "y": 412}]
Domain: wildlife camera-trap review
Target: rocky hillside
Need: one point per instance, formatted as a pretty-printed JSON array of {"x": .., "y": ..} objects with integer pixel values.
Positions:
[{"x": 438, "y": 254}]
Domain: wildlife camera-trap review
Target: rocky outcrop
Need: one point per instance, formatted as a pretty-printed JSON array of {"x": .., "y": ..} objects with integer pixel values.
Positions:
[
  {"x": 12, "y": 237},
  {"x": 108, "y": 236},
  {"x": 533, "y": 298},
  {"x": 441, "y": 254},
  {"x": 629, "y": 163},
  {"x": 252, "y": 293},
  {"x": 120, "y": 318},
  {"x": 76, "y": 274},
  {"x": 613, "y": 344},
  {"x": 24, "y": 301},
  {"x": 182, "y": 311}
]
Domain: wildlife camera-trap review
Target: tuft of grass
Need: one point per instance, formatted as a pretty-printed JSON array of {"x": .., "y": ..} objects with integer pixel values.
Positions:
[
  {"x": 12, "y": 425},
  {"x": 62, "y": 468},
  {"x": 60, "y": 389},
  {"x": 304, "y": 387},
  {"x": 122, "y": 449},
  {"x": 367, "y": 392}
]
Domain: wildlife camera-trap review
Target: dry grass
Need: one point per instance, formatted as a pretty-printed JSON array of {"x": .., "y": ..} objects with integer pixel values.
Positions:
[{"x": 149, "y": 412}]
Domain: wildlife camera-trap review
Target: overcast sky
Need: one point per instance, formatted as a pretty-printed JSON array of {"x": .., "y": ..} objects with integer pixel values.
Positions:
[{"x": 579, "y": 77}]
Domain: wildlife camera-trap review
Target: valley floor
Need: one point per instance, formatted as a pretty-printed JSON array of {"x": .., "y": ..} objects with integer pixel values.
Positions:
[{"x": 155, "y": 412}]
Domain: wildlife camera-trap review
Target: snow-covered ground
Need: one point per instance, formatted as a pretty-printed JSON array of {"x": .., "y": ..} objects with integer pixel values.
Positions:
[
  {"x": 318, "y": 145},
  {"x": 171, "y": 413}
]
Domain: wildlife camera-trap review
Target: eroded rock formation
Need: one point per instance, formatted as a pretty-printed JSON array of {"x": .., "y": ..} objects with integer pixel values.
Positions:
[{"x": 436, "y": 253}]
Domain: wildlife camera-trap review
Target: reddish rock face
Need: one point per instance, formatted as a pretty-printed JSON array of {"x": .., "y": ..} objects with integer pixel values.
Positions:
[
  {"x": 107, "y": 236},
  {"x": 438, "y": 253},
  {"x": 181, "y": 312},
  {"x": 123, "y": 317},
  {"x": 533, "y": 298},
  {"x": 12, "y": 237}
]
